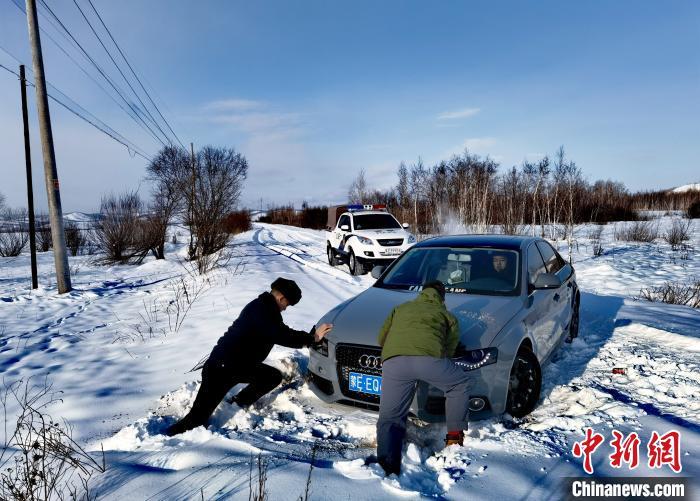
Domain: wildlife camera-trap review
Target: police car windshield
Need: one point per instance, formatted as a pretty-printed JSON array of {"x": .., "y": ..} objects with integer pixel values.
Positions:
[
  {"x": 469, "y": 270},
  {"x": 375, "y": 222}
]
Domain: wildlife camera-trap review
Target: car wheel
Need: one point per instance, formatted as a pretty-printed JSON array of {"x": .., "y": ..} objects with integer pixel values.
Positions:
[
  {"x": 574, "y": 322},
  {"x": 356, "y": 268},
  {"x": 332, "y": 259},
  {"x": 524, "y": 384}
]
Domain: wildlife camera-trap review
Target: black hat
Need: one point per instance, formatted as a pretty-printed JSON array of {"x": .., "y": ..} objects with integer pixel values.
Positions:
[
  {"x": 288, "y": 288},
  {"x": 437, "y": 285}
]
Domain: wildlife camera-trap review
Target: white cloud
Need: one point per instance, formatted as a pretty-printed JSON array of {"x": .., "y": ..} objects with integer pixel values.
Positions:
[
  {"x": 457, "y": 114},
  {"x": 233, "y": 105},
  {"x": 479, "y": 144}
]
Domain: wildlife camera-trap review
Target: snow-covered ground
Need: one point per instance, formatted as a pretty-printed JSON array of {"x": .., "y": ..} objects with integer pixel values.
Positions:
[{"x": 112, "y": 348}]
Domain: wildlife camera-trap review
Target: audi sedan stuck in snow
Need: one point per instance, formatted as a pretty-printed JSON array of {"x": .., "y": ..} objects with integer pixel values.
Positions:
[{"x": 515, "y": 298}]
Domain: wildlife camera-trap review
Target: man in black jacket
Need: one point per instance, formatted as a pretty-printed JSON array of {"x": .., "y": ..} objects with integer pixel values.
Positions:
[{"x": 238, "y": 355}]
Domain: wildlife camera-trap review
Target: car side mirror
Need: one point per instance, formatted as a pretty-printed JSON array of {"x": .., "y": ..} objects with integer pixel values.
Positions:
[
  {"x": 405, "y": 225},
  {"x": 547, "y": 281},
  {"x": 345, "y": 227},
  {"x": 377, "y": 271}
]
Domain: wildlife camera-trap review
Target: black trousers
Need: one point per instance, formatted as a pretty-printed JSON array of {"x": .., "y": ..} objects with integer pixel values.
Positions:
[{"x": 216, "y": 383}]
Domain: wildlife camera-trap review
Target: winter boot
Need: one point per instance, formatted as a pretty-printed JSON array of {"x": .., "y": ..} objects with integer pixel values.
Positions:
[{"x": 454, "y": 438}]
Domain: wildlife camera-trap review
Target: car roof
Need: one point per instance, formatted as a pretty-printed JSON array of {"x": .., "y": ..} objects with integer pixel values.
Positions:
[{"x": 513, "y": 242}]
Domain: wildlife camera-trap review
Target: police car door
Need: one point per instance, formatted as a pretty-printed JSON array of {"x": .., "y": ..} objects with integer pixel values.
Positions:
[{"x": 339, "y": 234}]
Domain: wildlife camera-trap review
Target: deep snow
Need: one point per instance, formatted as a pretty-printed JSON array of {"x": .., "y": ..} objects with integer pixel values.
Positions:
[{"x": 108, "y": 346}]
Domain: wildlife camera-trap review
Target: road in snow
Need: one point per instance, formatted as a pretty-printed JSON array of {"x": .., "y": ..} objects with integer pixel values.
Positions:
[{"x": 108, "y": 347}]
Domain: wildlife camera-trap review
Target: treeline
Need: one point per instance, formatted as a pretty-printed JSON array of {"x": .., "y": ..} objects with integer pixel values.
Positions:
[
  {"x": 550, "y": 195},
  {"x": 546, "y": 197}
]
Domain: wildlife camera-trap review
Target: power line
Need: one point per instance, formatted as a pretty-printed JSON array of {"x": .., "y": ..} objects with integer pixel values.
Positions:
[
  {"x": 109, "y": 54},
  {"x": 104, "y": 128},
  {"x": 134, "y": 73},
  {"x": 124, "y": 140},
  {"x": 131, "y": 114},
  {"x": 102, "y": 72}
]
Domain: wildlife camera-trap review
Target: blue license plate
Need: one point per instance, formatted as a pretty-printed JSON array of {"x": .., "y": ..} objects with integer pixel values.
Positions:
[{"x": 364, "y": 383}]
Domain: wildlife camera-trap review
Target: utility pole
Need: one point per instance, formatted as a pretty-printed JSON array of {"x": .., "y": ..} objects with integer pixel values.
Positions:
[
  {"x": 30, "y": 188},
  {"x": 53, "y": 191}
]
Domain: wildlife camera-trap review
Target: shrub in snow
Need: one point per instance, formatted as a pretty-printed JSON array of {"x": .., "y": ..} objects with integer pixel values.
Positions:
[
  {"x": 42, "y": 233},
  {"x": 678, "y": 233},
  {"x": 674, "y": 293},
  {"x": 75, "y": 238},
  {"x": 639, "y": 231},
  {"x": 39, "y": 459},
  {"x": 14, "y": 233},
  {"x": 237, "y": 222},
  {"x": 694, "y": 210},
  {"x": 594, "y": 236},
  {"x": 122, "y": 234}
]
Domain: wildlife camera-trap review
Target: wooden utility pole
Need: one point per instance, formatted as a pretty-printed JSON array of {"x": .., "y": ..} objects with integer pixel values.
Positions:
[
  {"x": 30, "y": 188},
  {"x": 53, "y": 191}
]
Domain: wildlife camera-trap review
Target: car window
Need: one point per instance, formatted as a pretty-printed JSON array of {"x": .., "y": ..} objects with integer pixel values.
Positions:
[
  {"x": 375, "y": 222},
  {"x": 470, "y": 270},
  {"x": 535, "y": 264},
  {"x": 344, "y": 219},
  {"x": 552, "y": 260}
]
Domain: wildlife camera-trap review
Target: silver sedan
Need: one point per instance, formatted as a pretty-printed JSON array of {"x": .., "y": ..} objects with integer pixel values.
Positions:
[{"x": 516, "y": 300}]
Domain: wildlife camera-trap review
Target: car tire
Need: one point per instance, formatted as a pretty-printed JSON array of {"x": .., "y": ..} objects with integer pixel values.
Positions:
[
  {"x": 332, "y": 258},
  {"x": 524, "y": 384},
  {"x": 574, "y": 321},
  {"x": 356, "y": 267}
]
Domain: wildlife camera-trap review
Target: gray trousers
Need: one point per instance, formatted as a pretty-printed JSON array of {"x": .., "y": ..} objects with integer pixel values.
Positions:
[{"x": 400, "y": 375}]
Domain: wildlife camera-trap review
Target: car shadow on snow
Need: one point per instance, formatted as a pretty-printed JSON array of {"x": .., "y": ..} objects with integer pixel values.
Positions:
[{"x": 598, "y": 322}]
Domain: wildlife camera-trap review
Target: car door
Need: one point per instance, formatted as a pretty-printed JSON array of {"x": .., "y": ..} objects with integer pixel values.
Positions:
[
  {"x": 562, "y": 297},
  {"x": 539, "y": 320},
  {"x": 338, "y": 234}
]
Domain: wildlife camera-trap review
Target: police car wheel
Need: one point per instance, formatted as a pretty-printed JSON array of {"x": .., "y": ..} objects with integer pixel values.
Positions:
[
  {"x": 356, "y": 268},
  {"x": 332, "y": 260}
]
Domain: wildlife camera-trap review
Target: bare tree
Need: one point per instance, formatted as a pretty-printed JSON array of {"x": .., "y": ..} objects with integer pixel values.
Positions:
[
  {"x": 169, "y": 172},
  {"x": 358, "y": 193},
  {"x": 217, "y": 181},
  {"x": 417, "y": 178},
  {"x": 2, "y": 202}
]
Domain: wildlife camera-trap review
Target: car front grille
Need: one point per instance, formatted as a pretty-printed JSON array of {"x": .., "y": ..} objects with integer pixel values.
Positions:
[
  {"x": 390, "y": 242},
  {"x": 347, "y": 357}
]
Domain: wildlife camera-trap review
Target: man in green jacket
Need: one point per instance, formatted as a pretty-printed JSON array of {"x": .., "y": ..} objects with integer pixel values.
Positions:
[{"x": 418, "y": 341}]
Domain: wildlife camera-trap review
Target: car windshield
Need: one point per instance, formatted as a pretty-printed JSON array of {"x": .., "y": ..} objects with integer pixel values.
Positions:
[
  {"x": 375, "y": 222},
  {"x": 469, "y": 270}
]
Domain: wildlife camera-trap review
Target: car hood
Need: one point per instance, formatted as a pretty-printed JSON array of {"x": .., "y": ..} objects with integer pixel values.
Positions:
[
  {"x": 359, "y": 320},
  {"x": 382, "y": 233}
]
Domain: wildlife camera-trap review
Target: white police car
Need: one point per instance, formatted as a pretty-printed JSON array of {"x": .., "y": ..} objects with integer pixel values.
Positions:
[{"x": 365, "y": 236}]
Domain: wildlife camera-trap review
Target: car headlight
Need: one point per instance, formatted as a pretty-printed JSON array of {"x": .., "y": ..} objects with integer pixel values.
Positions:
[
  {"x": 411, "y": 239},
  {"x": 321, "y": 347},
  {"x": 365, "y": 241},
  {"x": 476, "y": 359}
]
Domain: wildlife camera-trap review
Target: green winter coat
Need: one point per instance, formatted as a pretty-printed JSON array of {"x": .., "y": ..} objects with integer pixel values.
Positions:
[{"x": 420, "y": 327}]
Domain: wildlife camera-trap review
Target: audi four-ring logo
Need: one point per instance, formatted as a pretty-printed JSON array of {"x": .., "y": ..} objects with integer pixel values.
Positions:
[{"x": 370, "y": 362}]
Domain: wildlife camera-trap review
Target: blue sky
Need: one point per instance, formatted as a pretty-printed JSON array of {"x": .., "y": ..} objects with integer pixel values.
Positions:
[{"x": 311, "y": 92}]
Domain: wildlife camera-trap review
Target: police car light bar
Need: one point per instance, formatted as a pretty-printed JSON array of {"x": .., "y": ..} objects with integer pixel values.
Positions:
[{"x": 357, "y": 207}]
